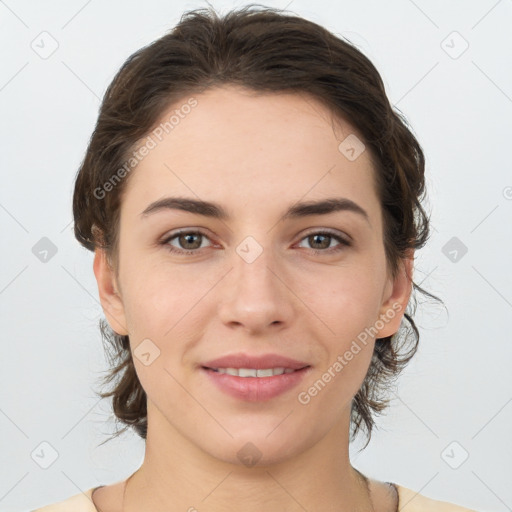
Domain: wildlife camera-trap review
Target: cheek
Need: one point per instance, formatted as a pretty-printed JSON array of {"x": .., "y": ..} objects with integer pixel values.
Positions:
[
  {"x": 160, "y": 301},
  {"x": 347, "y": 307},
  {"x": 346, "y": 301}
]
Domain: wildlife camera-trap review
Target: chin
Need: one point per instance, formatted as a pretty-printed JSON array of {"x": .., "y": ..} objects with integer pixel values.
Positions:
[{"x": 258, "y": 448}]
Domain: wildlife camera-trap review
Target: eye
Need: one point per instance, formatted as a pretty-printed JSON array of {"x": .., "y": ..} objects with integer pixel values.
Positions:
[
  {"x": 321, "y": 242},
  {"x": 190, "y": 242}
]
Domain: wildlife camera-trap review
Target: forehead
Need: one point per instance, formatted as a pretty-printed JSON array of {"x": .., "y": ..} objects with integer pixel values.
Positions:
[{"x": 248, "y": 149}]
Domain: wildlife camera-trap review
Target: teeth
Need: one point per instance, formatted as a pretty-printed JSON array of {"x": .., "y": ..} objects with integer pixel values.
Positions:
[{"x": 251, "y": 372}]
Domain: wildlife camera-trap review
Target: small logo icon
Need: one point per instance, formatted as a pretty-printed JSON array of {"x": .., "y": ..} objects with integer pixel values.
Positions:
[
  {"x": 351, "y": 147},
  {"x": 454, "y": 45},
  {"x": 455, "y": 455},
  {"x": 45, "y": 45},
  {"x": 249, "y": 454},
  {"x": 44, "y": 455},
  {"x": 146, "y": 352},
  {"x": 249, "y": 249},
  {"x": 507, "y": 193},
  {"x": 454, "y": 249},
  {"x": 44, "y": 250}
]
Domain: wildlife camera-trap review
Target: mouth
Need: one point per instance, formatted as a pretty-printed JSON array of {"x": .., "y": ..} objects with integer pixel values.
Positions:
[
  {"x": 255, "y": 372},
  {"x": 248, "y": 363},
  {"x": 255, "y": 384}
]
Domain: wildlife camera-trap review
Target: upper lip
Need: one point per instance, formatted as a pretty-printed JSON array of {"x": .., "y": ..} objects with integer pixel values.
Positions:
[{"x": 258, "y": 362}]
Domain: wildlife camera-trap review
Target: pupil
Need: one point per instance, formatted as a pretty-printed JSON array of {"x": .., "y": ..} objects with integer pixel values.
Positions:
[
  {"x": 321, "y": 236},
  {"x": 188, "y": 237}
]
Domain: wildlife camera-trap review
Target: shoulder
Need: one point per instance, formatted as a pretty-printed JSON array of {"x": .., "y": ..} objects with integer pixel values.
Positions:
[
  {"x": 411, "y": 501},
  {"x": 78, "y": 503}
]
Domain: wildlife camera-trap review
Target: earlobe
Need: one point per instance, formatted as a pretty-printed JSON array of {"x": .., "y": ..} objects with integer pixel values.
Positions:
[
  {"x": 110, "y": 299},
  {"x": 397, "y": 297}
]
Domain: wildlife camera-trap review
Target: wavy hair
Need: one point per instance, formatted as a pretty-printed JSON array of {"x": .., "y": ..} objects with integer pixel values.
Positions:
[{"x": 268, "y": 50}]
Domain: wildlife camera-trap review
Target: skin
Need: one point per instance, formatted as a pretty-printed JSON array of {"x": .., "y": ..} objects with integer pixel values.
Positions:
[{"x": 255, "y": 154}]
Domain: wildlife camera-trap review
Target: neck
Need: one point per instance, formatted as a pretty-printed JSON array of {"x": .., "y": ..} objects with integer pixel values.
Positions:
[{"x": 177, "y": 475}]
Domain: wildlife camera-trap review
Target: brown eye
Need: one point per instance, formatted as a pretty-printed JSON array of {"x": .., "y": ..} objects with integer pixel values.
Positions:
[
  {"x": 320, "y": 242},
  {"x": 188, "y": 242}
]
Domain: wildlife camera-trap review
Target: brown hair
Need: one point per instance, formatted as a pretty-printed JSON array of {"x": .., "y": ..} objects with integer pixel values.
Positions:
[{"x": 265, "y": 50}]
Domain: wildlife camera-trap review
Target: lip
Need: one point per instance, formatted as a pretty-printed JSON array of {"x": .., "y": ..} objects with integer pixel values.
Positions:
[
  {"x": 255, "y": 389},
  {"x": 258, "y": 362}
]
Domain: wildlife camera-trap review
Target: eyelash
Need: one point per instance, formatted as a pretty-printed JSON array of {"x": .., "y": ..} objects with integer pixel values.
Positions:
[{"x": 343, "y": 243}]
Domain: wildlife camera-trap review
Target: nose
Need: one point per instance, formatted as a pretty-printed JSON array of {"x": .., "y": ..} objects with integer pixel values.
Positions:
[{"x": 256, "y": 296}]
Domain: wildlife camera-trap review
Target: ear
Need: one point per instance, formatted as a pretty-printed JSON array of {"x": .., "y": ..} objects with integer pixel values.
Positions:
[
  {"x": 110, "y": 299},
  {"x": 396, "y": 297}
]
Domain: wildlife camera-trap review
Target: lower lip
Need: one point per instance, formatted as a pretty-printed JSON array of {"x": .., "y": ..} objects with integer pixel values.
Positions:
[{"x": 256, "y": 389}]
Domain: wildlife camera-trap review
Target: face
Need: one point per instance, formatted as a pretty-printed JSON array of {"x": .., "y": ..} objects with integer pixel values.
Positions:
[{"x": 270, "y": 276}]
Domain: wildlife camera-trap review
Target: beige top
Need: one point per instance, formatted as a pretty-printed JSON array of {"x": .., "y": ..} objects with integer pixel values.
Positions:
[{"x": 408, "y": 501}]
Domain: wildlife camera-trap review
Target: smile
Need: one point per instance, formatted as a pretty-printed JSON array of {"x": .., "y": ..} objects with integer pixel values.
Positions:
[
  {"x": 252, "y": 372},
  {"x": 255, "y": 385}
]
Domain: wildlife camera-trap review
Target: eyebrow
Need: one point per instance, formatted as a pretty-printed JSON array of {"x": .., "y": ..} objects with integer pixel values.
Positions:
[{"x": 216, "y": 211}]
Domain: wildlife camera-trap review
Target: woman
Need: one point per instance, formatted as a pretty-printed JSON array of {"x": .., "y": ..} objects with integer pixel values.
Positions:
[{"x": 254, "y": 204}]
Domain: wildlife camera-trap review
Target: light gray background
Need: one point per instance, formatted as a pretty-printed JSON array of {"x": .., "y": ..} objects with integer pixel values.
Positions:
[{"x": 458, "y": 387}]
